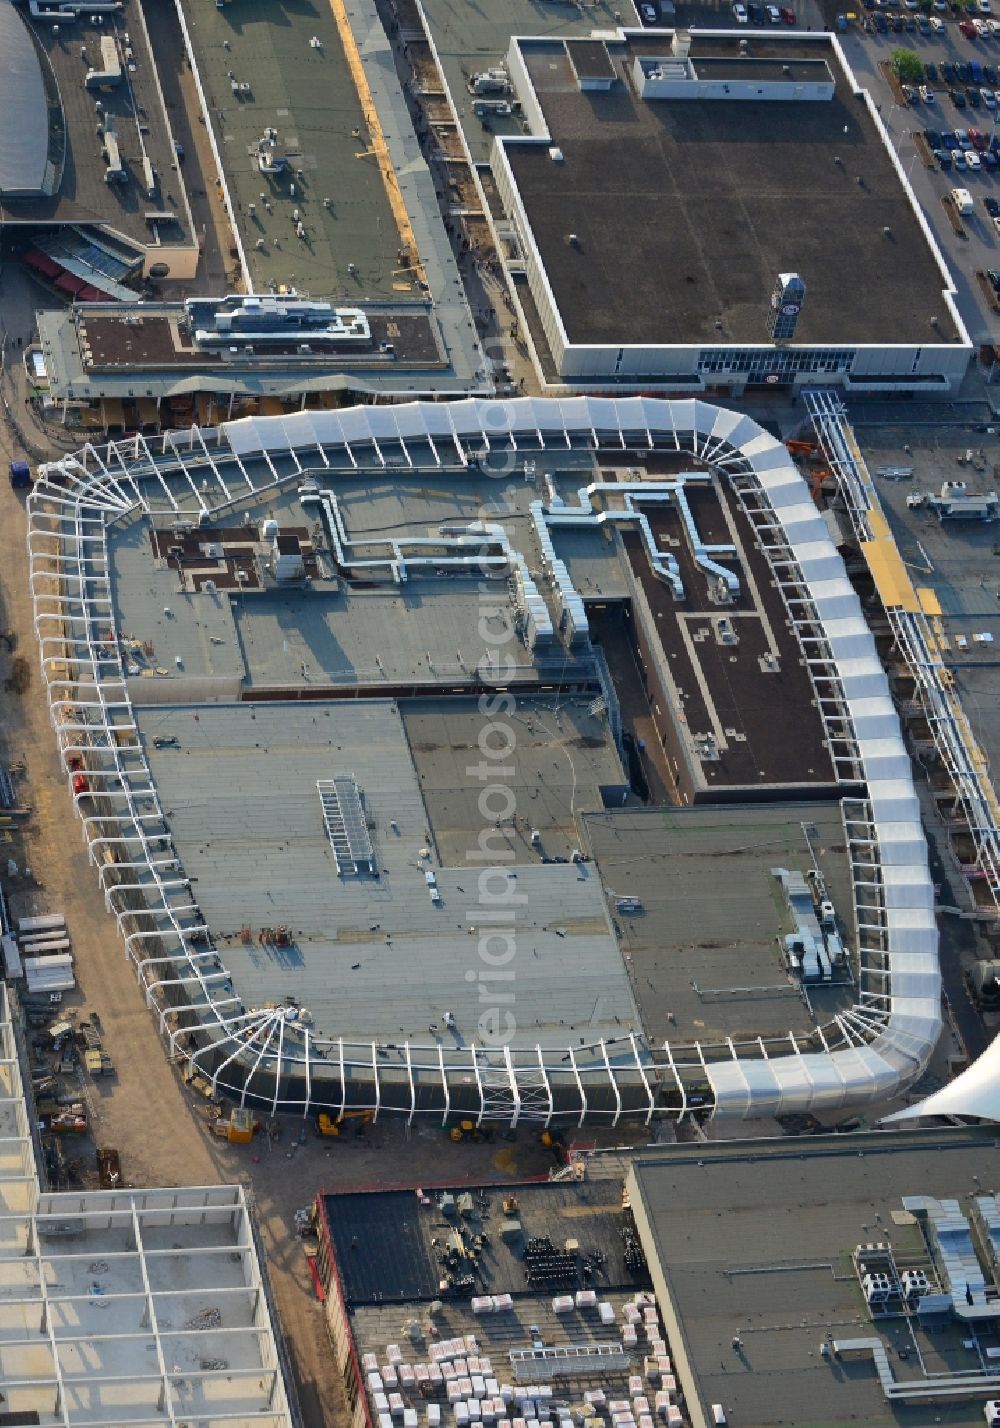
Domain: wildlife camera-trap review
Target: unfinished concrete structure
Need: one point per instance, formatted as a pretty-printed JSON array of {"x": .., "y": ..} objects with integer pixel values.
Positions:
[{"x": 128, "y": 1306}]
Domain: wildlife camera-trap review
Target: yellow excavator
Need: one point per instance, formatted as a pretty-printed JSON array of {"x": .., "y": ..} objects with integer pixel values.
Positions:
[{"x": 331, "y": 1125}]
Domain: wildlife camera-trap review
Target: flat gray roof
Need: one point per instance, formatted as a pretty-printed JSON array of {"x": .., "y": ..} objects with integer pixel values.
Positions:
[
  {"x": 686, "y": 211},
  {"x": 308, "y": 95},
  {"x": 24, "y": 134},
  {"x": 425, "y": 630},
  {"x": 375, "y": 955},
  {"x": 471, "y": 38},
  {"x": 704, "y": 952},
  {"x": 752, "y": 1239},
  {"x": 562, "y": 758}
]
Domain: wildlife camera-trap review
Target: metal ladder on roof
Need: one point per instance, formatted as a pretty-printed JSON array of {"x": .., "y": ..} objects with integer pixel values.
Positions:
[{"x": 346, "y": 826}]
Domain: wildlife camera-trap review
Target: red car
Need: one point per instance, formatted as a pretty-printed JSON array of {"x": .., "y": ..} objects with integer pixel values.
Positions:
[
  {"x": 80, "y": 784},
  {"x": 968, "y": 29},
  {"x": 788, "y": 15},
  {"x": 978, "y": 139}
]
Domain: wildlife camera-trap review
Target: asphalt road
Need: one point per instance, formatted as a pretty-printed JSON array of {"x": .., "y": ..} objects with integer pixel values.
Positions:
[{"x": 981, "y": 250}]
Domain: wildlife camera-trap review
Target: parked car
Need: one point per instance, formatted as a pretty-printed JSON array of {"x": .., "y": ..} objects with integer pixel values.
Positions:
[
  {"x": 973, "y": 161},
  {"x": 989, "y": 158},
  {"x": 968, "y": 29},
  {"x": 937, "y": 25},
  {"x": 958, "y": 158},
  {"x": 787, "y": 14},
  {"x": 943, "y": 157},
  {"x": 773, "y": 14},
  {"x": 757, "y": 16},
  {"x": 962, "y": 138},
  {"x": 649, "y": 14},
  {"x": 972, "y": 95},
  {"x": 977, "y": 139},
  {"x": 992, "y": 207},
  {"x": 923, "y": 24},
  {"x": 990, "y": 75},
  {"x": 988, "y": 98},
  {"x": 948, "y": 140},
  {"x": 983, "y": 6},
  {"x": 982, "y": 29},
  {"x": 948, "y": 72},
  {"x": 740, "y": 13},
  {"x": 931, "y": 73},
  {"x": 957, "y": 98},
  {"x": 933, "y": 138},
  {"x": 927, "y": 94}
]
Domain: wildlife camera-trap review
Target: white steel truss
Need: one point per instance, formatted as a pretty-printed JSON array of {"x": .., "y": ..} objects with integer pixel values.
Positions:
[{"x": 270, "y": 1056}]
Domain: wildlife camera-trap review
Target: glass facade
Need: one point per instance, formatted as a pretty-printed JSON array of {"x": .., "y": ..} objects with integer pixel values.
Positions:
[{"x": 759, "y": 364}]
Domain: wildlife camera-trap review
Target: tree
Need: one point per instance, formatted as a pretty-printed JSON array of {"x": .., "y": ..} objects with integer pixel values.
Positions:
[{"x": 907, "y": 66}]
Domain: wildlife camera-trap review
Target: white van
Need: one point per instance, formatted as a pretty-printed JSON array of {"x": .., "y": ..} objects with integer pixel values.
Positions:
[{"x": 962, "y": 199}]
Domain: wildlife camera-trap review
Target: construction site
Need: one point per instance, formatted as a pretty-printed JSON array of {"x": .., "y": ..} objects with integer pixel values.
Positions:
[
  {"x": 433, "y": 831},
  {"x": 422, "y": 796},
  {"x": 364, "y": 807},
  {"x": 663, "y": 1287}
]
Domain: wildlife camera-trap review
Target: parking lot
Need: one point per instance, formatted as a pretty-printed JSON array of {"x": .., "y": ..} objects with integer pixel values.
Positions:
[{"x": 938, "y": 41}]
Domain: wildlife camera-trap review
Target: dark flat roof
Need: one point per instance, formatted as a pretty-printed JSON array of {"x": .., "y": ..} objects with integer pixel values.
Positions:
[
  {"x": 772, "y": 730},
  {"x": 754, "y": 1238},
  {"x": 83, "y": 195},
  {"x": 388, "y": 1245},
  {"x": 687, "y": 210},
  {"x": 705, "y": 952},
  {"x": 799, "y": 71},
  {"x": 154, "y": 340},
  {"x": 591, "y": 59}
]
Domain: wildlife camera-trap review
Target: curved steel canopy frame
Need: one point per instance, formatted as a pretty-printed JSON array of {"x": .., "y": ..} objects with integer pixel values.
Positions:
[{"x": 267, "y": 1055}]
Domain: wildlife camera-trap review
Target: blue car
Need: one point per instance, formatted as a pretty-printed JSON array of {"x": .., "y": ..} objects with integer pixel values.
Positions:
[{"x": 944, "y": 158}]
